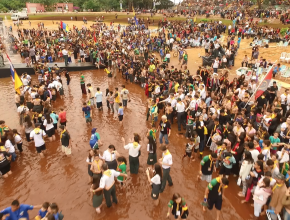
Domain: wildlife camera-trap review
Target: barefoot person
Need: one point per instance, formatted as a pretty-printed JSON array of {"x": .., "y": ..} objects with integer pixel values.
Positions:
[
  {"x": 134, "y": 149},
  {"x": 213, "y": 195},
  {"x": 207, "y": 166},
  {"x": 5, "y": 163},
  {"x": 166, "y": 162},
  {"x": 107, "y": 183}
]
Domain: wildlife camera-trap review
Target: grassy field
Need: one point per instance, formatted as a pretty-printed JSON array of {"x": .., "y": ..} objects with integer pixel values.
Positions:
[{"x": 122, "y": 18}]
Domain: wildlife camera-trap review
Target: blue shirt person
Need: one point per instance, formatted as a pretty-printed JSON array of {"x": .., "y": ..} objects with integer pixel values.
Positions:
[{"x": 17, "y": 211}]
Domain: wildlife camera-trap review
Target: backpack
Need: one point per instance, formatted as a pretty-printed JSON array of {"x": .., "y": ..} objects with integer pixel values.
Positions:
[
  {"x": 60, "y": 216},
  {"x": 94, "y": 141}
]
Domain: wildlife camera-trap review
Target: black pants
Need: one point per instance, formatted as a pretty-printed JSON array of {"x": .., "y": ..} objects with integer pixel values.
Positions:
[
  {"x": 108, "y": 194},
  {"x": 33, "y": 59},
  {"x": 166, "y": 177},
  {"x": 284, "y": 108},
  {"x": 180, "y": 120}
]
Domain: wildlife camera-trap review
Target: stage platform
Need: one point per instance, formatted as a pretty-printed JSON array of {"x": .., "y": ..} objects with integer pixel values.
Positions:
[{"x": 21, "y": 68}]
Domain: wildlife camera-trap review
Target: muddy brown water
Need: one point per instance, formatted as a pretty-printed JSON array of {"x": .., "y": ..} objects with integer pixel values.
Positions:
[{"x": 65, "y": 180}]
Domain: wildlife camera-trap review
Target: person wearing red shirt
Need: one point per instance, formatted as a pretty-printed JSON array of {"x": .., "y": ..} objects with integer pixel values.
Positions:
[{"x": 62, "y": 117}]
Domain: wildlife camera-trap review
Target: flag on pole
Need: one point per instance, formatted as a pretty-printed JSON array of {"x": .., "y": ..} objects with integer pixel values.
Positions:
[
  {"x": 133, "y": 10},
  {"x": 265, "y": 83},
  {"x": 95, "y": 38},
  {"x": 136, "y": 20},
  {"x": 15, "y": 78},
  {"x": 64, "y": 26},
  {"x": 194, "y": 19}
]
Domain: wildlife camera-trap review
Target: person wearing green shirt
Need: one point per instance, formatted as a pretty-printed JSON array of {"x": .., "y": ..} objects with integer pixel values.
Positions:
[
  {"x": 274, "y": 142},
  {"x": 185, "y": 58},
  {"x": 189, "y": 125},
  {"x": 83, "y": 85},
  {"x": 122, "y": 166}
]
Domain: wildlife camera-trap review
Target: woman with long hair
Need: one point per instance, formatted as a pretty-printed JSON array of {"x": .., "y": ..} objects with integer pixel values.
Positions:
[
  {"x": 122, "y": 166},
  {"x": 97, "y": 197},
  {"x": 134, "y": 153},
  {"x": 28, "y": 127},
  {"x": 238, "y": 151},
  {"x": 155, "y": 181},
  {"x": 151, "y": 149},
  {"x": 48, "y": 124},
  {"x": 245, "y": 170},
  {"x": 90, "y": 160},
  {"x": 17, "y": 140},
  {"x": 178, "y": 207}
]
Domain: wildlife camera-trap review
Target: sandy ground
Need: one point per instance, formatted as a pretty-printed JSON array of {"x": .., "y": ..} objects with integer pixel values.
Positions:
[{"x": 273, "y": 53}]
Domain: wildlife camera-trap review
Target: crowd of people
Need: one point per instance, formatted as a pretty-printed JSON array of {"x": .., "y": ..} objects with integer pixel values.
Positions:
[{"x": 241, "y": 137}]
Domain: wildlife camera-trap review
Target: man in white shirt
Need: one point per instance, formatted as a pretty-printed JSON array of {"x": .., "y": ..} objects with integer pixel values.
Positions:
[
  {"x": 180, "y": 108},
  {"x": 283, "y": 97},
  {"x": 107, "y": 184},
  {"x": 171, "y": 100},
  {"x": 99, "y": 98},
  {"x": 125, "y": 96},
  {"x": 241, "y": 91},
  {"x": 253, "y": 151},
  {"x": 202, "y": 91},
  {"x": 65, "y": 56},
  {"x": 37, "y": 135},
  {"x": 166, "y": 162}
]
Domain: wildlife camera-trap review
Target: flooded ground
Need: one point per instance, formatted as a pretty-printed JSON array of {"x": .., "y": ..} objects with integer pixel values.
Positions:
[{"x": 65, "y": 180}]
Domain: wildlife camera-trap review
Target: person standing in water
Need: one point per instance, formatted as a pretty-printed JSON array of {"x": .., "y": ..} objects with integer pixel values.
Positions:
[
  {"x": 99, "y": 98},
  {"x": 151, "y": 149},
  {"x": 178, "y": 207},
  {"x": 97, "y": 197},
  {"x": 96, "y": 165},
  {"x": 122, "y": 166},
  {"x": 83, "y": 85},
  {"x": 155, "y": 182},
  {"x": 213, "y": 195},
  {"x": 134, "y": 149},
  {"x": 107, "y": 184},
  {"x": 109, "y": 156},
  {"x": 65, "y": 141},
  {"x": 91, "y": 94},
  {"x": 166, "y": 162},
  {"x": 37, "y": 135}
]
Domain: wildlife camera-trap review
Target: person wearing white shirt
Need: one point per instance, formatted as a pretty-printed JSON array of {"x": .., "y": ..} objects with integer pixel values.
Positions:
[
  {"x": 202, "y": 91},
  {"x": 241, "y": 91},
  {"x": 99, "y": 98},
  {"x": 107, "y": 184},
  {"x": 283, "y": 97},
  {"x": 65, "y": 56},
  {"x": 37, "y": 135},
  {"x": 134, "y": 149},
  {"x": 48, "y": 124},
  {"x": 180, "y": 108},
  {"x": 155, "y": 182},
  {"x": 109, "y": 156},
  {"x": 11, "y": 149},
  {"x": 171, "y": 100},
  {"x": 166, "y": 162}
]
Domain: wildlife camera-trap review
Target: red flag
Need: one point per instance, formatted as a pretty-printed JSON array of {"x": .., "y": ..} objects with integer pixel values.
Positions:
[
  {"x": 264, "y": 85},
  {"x": 95, "y": 38}
]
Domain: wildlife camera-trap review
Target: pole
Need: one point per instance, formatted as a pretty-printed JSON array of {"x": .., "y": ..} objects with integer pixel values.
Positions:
[{"x": 259, "y": 85}]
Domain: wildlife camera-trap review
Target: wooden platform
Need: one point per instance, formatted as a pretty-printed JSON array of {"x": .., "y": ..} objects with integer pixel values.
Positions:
[{"x": 21, "y": 68}]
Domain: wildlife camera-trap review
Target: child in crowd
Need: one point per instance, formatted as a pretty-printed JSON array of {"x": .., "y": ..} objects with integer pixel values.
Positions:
[{"x": 43, "y": 211}]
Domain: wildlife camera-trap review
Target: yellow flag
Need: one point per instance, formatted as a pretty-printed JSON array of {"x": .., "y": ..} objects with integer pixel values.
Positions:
[
  {"x": 133, "y": 10},
  {"x": 194, "y": 19}
]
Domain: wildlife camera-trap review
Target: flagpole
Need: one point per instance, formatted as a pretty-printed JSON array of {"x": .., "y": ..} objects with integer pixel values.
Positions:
[{"x": 259, "y": 85}]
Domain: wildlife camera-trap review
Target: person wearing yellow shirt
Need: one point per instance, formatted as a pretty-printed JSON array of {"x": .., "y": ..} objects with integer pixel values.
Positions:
[
  {"x": 151, "y": 68},
  {"x": 176, "y": 86},
  {"x": 117, "y": 99}
]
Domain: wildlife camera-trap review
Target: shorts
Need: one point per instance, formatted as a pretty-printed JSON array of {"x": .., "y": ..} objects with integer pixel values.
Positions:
[
  {"x": 27, "y": 135},
  {"x": 257, "y": 209},
  {"x": 55, "y": 126},
  {"x": 50, "y": 132},
  {"x": 225, "y": 171},
  {"x": 99, "y": 104},
  {"x": 188, "y": 154},
  {"x": 82, "y": 56},
  {"x": 63, "y": 123},
  {"x": 216, "y": 202},
  {"x": 40, "y": 149},
  {"x": 5, "y": 169},
  {"x": 66, "y": 150},
  {"x": 120, "y": 117},
  {"x": 206, "y": 178},
  {"x": 195, "y": 150},
  {"x": 89, "y": 119}
]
